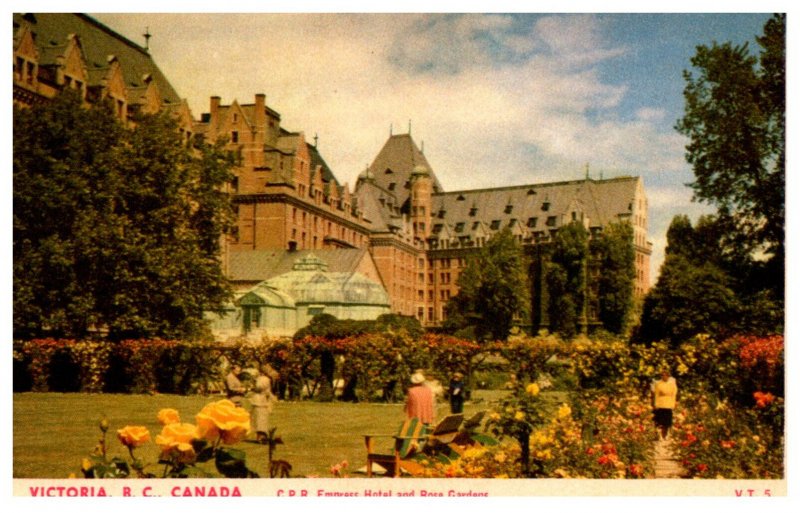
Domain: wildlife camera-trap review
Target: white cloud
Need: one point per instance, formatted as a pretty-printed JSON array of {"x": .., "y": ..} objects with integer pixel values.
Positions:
[{"x": 497, "y": 99}]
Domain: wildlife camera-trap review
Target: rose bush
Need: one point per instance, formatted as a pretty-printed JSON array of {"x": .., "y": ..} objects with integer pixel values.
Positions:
[
  {"x": 716, "y": 438},
  {"x": 183, "y": 446}
]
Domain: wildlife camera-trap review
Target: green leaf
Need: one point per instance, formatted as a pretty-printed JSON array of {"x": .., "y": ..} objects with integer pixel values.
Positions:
[{"x": 231, "y": 463}]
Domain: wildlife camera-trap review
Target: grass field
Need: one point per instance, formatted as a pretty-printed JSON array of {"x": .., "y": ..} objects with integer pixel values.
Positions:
[{"x": 53, "y": 432}]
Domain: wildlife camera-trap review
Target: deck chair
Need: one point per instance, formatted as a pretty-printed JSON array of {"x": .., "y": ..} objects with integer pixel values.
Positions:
[
  {"x": 412, "y": 439},
  {"x": 406, "y": 441}
]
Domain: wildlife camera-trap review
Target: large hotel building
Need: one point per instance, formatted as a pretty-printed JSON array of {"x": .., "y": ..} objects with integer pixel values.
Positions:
[{"x": 417, "y": 234}]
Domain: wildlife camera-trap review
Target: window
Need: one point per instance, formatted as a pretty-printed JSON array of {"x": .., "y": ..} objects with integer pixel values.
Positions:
[
  {"x": 234, "y": 136},
  {"x": 473, "y": 211},
  {"x": 574, "y": 216},
  {"x": 392, "y": 186},
  {"x": 551, "y": 221},
  {"x": 512, "y": 223},
  {"x": 546, "y": 206},
  {"x": 495, "y": 224},
  {"x": 475, "y": 225},
  {"x": 509, "y": 208},
  {"x": 531, "y": 222},
  {"x": 459, "y": 227}
]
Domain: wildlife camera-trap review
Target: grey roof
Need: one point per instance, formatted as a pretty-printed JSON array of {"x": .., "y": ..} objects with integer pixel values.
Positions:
[
  {"x": 317, "y": 160},
  {"x": 98, "y": 43},
  {"x": 461, "y": 213},
  {"x": 395, "y": 163},
  {"x": 260, "y": 265},
  {"x": 382, "y": 214}
]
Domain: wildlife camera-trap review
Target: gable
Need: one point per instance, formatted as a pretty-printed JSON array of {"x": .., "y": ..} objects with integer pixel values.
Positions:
[
  {"x": 25, "y": 45},
  {"x": 74, "y": 64},
  {"x": 115, "y": 82}
]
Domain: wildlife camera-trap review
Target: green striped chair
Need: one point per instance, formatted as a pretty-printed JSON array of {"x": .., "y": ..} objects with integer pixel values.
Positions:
[
  {"x": 407, "y": 441},
  {"x": 410, "y": 442}
]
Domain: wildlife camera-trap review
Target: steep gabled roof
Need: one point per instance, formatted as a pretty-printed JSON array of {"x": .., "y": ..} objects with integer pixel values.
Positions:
[
  {"x": 98, "y": 42},
  {"x": 394, "y": 164}
]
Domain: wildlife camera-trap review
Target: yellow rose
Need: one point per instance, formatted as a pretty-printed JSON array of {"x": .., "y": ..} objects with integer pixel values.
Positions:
[
  {"x": 564, "y": 411},
  {"x": 168, "y": 416},
  {"x": 532, "y": 389},
  {"x": 133, "y": 436},
  {"x": 519, "y": 415},
  {"x": 176, "y": 438},
  {"x": 225, "y": 419}
]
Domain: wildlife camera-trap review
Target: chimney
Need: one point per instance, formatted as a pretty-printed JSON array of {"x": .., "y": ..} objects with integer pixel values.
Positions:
[
  {"x": 214, "y": 120},
  {"x": 261, "y": 112},
  {"x": 259, "y": 129}
]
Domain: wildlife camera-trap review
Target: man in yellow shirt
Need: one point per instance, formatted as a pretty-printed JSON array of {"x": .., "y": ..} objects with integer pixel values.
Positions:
[{"x": 665, "y": 395}]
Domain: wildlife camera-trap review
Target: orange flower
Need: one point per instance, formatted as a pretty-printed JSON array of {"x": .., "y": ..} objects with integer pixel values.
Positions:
[
  {"x": 763, "y": 399},
  {"x": 223, "y": 419},
  {"x": 133, "y": 436},
  {"x": 168, "y": 416}
]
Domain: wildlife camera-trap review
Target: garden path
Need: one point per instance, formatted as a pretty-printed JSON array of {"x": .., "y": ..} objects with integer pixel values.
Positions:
[{"x": 666, "y": 467}]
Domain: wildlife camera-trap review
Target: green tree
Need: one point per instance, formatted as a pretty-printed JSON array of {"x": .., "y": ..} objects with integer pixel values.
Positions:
[
  {"x": 613, "y": 250},
  {"x": 693, "y": 294},
  {"x": 687, "y": 300},
  {"x": 493, "y": 289},
  {"x": 114, "y": 228},
  {"x": 565, "y": 274},
  {"x": 735, "y": 121}
]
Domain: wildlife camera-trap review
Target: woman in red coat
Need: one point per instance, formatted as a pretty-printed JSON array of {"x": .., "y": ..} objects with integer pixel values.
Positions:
[{"x": 419, "y": 400}]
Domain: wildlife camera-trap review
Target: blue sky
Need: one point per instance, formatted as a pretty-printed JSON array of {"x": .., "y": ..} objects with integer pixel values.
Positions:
[{"x": 497, "y": 99}]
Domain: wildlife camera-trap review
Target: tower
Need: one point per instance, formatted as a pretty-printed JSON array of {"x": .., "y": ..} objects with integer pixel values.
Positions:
[{"x": 421, "y": 192}]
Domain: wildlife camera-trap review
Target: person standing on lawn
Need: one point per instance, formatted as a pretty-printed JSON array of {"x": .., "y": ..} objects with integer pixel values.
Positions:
[
  {"x": 665, "y": 396},
  {"x": 261, "y": 401},
  {"x": 234, "y": 388},
  {"x": 419, "y": 400},
  {"x": 456, "y": 392}
]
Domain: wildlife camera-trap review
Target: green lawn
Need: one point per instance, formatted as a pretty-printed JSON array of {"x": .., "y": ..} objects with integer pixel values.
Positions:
[{"x": 53, "y": 432}]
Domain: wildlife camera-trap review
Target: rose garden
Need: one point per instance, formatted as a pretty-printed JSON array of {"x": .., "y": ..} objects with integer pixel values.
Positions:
[{"x": 553, "y": 408}]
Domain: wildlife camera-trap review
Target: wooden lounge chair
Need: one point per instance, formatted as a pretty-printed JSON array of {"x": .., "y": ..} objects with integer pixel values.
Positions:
[
  {"x": 406, "y": 440},
  {"x": 415, "y": 448}
]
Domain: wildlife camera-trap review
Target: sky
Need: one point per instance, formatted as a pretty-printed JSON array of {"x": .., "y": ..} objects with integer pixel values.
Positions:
[{"x": 494, "y": 99}]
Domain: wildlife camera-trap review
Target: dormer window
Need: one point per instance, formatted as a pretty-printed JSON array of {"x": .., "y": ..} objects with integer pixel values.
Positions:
[
  {"x": 460, "y": 197},
  {"x": 388, "y": 171}
]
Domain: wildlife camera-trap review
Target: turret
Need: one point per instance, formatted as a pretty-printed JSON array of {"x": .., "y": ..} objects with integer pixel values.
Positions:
[{"x": 421, "y": 192}]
